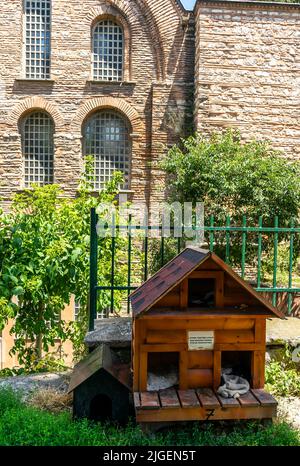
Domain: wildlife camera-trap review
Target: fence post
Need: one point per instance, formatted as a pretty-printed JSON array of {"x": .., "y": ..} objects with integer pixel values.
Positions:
[
  {"x": 291, "y": 259},
  {"x": 93, "y": 270},
  {"x": 274, "y": 300},
  {"x": 259, "y": 252}
]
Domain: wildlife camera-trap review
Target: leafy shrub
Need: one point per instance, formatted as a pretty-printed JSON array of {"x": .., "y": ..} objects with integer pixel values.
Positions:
[
  {"x": 44, "y": 259},
  {"x": 283, "y": 374},
  {"x": 282, "y": 382},
  {"x": 235, "y": 179}
]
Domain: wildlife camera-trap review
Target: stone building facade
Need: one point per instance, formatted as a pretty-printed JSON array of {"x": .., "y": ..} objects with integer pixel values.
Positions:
[
  {"x": 122, "y": 80},
  {"x": 125, "y": 79},
  {"x": 248, "y": 71},
  {"x": 152, "y": 97}
]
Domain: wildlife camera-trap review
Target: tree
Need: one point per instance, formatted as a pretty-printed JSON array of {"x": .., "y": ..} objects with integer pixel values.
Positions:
[
  {"x": 44, "y": 259},
  {"x": 234, "y": 178}
]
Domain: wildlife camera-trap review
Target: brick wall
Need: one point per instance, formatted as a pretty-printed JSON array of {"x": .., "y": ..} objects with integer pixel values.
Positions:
[
  {"x": 248, "y": 71},
  {"x": 159, "y": 75}
]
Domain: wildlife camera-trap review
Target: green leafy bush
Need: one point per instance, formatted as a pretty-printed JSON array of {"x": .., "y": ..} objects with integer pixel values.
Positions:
[
  {"x": 44, "y": 259},
  {"x": 235, "y": 179},
  {"x": 282, "y": 382},
  {"x": 283, "y": 374}
]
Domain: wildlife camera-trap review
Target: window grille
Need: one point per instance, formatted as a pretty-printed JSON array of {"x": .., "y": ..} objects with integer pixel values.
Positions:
[
  {"x": 77, "y": 307},
  {"x": 37, "y": 38},
  {"x": 38, "y": 150},
  {"x": 108, "y": 51},
  {"x": 106, "y": 138},
  {"x": 76, "y": 310}
]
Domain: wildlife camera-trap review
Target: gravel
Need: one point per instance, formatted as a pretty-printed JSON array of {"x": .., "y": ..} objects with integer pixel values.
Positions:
[
  {"x": 30, "y": 383},
  {"x": 289, "y": 409}
]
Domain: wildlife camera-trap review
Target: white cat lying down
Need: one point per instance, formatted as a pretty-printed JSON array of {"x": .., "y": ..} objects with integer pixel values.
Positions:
[{"x": 234, "y": 386}]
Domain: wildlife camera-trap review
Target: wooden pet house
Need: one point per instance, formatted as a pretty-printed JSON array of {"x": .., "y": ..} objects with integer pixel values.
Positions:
[
  {"x": 192, "y": 319},
  {"x": 101, "y": 387}
]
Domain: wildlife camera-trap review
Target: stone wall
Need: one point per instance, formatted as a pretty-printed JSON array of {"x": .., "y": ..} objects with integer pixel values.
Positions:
[
  {"x": 248, "y": 71},
  {"x": 159, "y": 76}
]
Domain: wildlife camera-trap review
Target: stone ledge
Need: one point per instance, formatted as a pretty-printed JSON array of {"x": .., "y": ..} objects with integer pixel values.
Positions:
[
  {"x": 30, "y": 80},
  {"x": 115, "y": 332},
  {"x": 281, "y": 332},
  {"x": 114, "y": 83}
]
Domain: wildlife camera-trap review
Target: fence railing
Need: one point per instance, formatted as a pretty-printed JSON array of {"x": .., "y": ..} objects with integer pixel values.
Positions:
[{"x": 247, "y": 248}]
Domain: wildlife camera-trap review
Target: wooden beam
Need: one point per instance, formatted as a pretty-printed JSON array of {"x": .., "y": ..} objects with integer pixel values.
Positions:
[
  {"x": 188, "y": 398},
  {"x": 184, "y": 289},
  {"x": 228, "y": 402},
  {"x": 167, "y": 348},
  {"x": 260, "y": 331},
  {"x": 183, "y": 370},
  {"x": 248, "y": 400},
  {"x": 169, "y": 398},
  {"x": 149, "y": 400},
  {"x": 143, "y": 373},
  {"x": 264, "y": 398},
  {"x": 234, "y": 336},
  {"x": 136, "y": 354},
  {"x": 207, "y": 398},
  {"x": 238, "y": 347},
  {"x": 217, "y": 369},
  {"x": 258, "y": 369},
  {"x": 202, "y": 414}
]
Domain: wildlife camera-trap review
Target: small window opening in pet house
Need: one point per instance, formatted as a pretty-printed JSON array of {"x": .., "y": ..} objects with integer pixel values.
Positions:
[
  {"x": 163, "y": 371},
  {"x": 239, "y": 362},
  {"x": 201, "y": 293},
  {"x": 101, "y": 408}
]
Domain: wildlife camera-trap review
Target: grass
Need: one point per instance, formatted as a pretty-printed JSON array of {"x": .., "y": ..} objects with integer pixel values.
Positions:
[{"x": 26, "y": 425}]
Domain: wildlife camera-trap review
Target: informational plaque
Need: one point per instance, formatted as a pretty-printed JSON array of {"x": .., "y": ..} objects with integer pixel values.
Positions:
[{"x": 198, "y": 341}]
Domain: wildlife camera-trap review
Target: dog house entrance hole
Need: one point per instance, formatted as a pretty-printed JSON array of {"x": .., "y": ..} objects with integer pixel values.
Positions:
[
  {"x": 201, "y": 292},
  {"x": 101, "y": 408},
  {"x": 163, "y": 370},
  {"x": 239, "y": 362}
]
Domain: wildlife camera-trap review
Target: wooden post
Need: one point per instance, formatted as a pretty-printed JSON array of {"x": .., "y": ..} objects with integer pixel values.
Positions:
[
  {"x": 217, "y": 369},
  {"x": 258, "y": 369},
  {"x": 143, "y": 371},
  {"x": 183, "y": 370}
]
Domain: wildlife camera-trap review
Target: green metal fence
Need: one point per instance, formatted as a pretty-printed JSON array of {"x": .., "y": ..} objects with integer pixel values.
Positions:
[{"x": 218, "y": 238}]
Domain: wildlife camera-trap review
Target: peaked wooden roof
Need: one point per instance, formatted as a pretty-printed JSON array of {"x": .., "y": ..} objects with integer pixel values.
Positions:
[
  {"x": 173, "y": 273},
  {"x": 101, "y": 358}
]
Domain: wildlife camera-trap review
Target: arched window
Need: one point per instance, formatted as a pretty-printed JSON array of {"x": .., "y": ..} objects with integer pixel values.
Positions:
[
  {"x": 106, "y": 138},
  {"x": 38, "y": 149},
  {"x": 37, "y": 38},
  {"x": 108, "y": 51}
]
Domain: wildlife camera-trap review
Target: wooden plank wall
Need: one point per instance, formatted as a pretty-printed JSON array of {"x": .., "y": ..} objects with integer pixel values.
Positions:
[{"x": 198, "y": 368}]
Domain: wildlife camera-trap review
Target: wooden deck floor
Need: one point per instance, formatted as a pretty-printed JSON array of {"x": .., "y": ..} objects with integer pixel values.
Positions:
[{"x": 202, "y": 404}]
